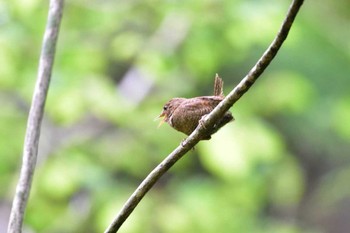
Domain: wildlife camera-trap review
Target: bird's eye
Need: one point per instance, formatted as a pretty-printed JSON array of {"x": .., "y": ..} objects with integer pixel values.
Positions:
[{"x": 165, "y": 108}]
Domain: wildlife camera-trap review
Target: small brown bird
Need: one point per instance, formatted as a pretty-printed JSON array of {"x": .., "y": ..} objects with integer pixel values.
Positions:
[{"x": 184, "y": 114}]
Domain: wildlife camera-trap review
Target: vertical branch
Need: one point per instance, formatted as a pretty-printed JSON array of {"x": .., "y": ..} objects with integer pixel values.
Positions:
[{"x": 30, "y": 148}]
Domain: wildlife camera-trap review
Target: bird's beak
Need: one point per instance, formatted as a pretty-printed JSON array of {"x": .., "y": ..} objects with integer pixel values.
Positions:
[{"x": 160, "y": 116}]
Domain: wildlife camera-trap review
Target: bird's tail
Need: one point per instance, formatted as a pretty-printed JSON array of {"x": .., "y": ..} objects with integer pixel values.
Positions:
[{"x": 218, "y": 86}]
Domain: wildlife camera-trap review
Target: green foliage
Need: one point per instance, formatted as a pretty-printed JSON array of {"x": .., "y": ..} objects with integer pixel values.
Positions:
[{"x": 281, "y": 167}]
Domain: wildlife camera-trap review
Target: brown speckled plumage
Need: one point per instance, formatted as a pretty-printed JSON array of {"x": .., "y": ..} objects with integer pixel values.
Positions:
[{"x": 184, "y": 114}]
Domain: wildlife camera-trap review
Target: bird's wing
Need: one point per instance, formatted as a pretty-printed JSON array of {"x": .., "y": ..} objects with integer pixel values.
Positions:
[{"x": 201, "y": 105}]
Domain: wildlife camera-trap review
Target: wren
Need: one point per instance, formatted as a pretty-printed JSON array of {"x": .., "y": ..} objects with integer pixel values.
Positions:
[{"x": 184, "y": 114}]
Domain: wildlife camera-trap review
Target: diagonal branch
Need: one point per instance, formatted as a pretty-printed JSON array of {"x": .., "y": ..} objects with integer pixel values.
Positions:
[
  {"x": 209, "y": 120},
  {"x": 31, "y": 141}
]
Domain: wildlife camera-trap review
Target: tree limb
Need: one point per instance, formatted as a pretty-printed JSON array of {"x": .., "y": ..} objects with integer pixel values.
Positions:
[
  {"x": 209, "y": 120},
  {"x": 36, "y": 112}
]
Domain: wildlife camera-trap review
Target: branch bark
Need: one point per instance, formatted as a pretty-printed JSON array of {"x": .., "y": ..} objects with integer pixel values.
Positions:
[
  {"x": 31, "y": 141},
  {"x": 209, "y": 120}
]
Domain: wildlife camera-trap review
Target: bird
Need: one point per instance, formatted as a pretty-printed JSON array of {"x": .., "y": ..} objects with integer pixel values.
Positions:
[{"x": 184, "y": 114}]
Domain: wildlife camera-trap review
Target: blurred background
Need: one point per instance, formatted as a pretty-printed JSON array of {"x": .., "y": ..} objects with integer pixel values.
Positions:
[{"x": 282, "y": 167}]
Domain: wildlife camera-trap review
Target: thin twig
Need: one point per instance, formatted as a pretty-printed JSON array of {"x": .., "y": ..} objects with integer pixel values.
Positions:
[
  {"x": 209, "y": 120},
  {"x": 31, "y": 141}
]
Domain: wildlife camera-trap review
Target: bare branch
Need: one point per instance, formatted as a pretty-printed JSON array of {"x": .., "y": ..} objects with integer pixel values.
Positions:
[
  {"x": 31, "y": 141},
  {"x": 209, "y": 121}
]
